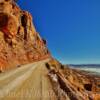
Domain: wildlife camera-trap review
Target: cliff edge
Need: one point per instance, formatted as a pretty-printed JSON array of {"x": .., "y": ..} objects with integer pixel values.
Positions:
[{"x": 20, "y": 43}]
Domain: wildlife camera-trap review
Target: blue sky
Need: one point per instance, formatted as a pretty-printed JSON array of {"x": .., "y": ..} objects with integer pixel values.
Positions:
[{"x": 71, "y": 27}]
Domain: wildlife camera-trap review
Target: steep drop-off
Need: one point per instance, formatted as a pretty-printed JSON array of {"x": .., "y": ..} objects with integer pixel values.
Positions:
[
  {"x": 20, "y": 44},
  {"x": 73, "y": 84}
]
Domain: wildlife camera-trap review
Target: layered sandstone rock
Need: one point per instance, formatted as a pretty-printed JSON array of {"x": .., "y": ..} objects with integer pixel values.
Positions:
[{"x": 19, "y": 41}]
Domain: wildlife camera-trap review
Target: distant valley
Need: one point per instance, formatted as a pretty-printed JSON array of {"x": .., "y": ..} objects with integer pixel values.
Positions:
[
  {"x": 86, "y": 65},
  {"x": 94, "y": 68}
]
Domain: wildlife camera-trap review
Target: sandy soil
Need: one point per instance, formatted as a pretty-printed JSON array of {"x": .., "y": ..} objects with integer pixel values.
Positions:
[{"x": 27, "y": 83}]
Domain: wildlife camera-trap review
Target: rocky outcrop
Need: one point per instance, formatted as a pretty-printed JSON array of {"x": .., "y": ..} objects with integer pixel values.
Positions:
[
  {"x": 19, "y": 41},
  {"x": 73, "y": 84}
]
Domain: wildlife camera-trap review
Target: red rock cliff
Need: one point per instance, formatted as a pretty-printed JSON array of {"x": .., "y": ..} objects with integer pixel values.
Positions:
[{"x": 19, "y": 41}]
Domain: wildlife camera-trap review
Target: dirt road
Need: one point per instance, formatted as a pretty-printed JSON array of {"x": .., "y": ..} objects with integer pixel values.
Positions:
[{"x": 29, "y": 82}]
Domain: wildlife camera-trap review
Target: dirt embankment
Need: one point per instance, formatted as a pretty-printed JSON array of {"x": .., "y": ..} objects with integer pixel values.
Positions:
[{"x": 71, "y": 84}]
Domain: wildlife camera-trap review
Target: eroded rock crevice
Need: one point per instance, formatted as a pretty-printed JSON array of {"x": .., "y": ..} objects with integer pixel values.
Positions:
[
  {"x": 18, "y": 37},
  {"x": 72, "y": 84}
]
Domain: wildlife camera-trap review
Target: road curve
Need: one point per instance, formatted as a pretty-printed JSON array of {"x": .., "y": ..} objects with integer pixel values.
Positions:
[{"x": 29, "y": 82}]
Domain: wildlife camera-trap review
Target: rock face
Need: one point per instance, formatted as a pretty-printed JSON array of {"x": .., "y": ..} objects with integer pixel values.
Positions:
[
  {"x": 19, "y": 41},
  {"x": 21, "y": 44}
]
